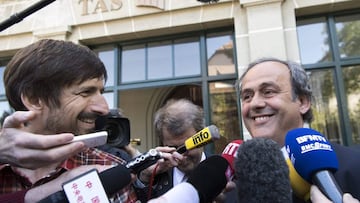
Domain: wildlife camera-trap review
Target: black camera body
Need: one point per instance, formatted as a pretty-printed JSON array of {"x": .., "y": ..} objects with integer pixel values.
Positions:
[{"x": 117, "y": 126}]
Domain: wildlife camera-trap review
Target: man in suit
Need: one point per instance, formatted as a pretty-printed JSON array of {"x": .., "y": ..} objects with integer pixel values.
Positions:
[
  {"x": 175, "y": 122},
  {"x": 276, "y": 97}
]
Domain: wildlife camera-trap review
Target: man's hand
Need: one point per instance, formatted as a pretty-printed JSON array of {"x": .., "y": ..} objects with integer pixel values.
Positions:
[
  {"x": 28, "y": 150},
  {"x": 170, "y": 158},
  {"x": 230, "y": 186},
  {"x": 317, "y": 196}
]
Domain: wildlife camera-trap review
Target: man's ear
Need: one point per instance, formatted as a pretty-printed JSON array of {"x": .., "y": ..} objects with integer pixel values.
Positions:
[
  {"x": 32, "y": 104},
  {"x": 305, "y": 104}
]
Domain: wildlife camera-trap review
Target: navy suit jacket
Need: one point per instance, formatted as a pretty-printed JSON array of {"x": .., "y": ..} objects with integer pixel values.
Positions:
[{"x": 348, "y": 174}]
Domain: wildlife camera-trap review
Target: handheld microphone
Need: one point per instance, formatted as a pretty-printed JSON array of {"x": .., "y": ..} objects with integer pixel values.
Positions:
[
  {"x": 204, "y": 184},
  {"x": 315, "y": 160},
  {"x": 112, "y": 179},
  {"x": 230, "y": 154},
  {"x": 261, "y": 172},
  {"x": 209, "y": 178},
  {"x": 201, "y": 138},
  {"x": 300, "y": 187}
]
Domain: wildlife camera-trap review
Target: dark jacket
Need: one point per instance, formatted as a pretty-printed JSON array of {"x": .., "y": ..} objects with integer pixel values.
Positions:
[
  {"x": 348, "y": 174},
  {"x": 161, "y": 184}
]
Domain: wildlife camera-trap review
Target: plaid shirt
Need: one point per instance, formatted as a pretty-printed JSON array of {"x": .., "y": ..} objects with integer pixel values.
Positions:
[{"x": 11, "y": 181}]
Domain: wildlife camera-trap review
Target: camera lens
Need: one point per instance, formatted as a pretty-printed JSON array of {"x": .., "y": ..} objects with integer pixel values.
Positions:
[
  {"x": 118, "y": 132},
  {"x": 118, "y": 128}
]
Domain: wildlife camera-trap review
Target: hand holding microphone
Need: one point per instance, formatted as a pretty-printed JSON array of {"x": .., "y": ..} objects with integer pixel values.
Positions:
[
  {"x": 113, "y": 180},
  {"x": 314, "y": 159},
  {"x": 171, "y": 156},
  {"x": 317, "y": 197},
  {"x": 205, "y": 183}
]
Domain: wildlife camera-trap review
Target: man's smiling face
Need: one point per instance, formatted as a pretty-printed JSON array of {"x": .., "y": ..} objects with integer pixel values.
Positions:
[
  {"x": 80, "y": 104},
  {"x": 268, "y": 108}
]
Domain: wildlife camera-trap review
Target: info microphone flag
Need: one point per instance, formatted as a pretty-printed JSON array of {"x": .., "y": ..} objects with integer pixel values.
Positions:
[{"x": 201, "y": 138}]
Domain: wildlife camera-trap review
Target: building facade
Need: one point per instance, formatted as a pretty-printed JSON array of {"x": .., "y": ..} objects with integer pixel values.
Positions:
[{"x": 155, "y": 50}]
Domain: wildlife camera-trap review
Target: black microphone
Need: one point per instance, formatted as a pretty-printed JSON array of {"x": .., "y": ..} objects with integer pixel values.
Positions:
[
  {"x": 204, "y": 184},
  {"x": 210, "y": 177},
  {"x": 261, "y": 172},
  {"x": 112, "y": 179},
  {"x": 315, "y": 160}
]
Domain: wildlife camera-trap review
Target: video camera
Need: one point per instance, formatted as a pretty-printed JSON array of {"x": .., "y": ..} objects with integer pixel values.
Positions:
[{"x": 117, "y": 126}]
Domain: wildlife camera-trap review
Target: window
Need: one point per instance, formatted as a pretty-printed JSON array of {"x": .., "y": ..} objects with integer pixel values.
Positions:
[
  {"x": 204, "y": 60},
  {"x": 313, "y": 38},
  {"x": 160, "y": 60},
  {"x": 220, "y": 54},
  {"x": 4, "y": 104},
  {"x": 348, "y": 34},
  {"x": 330, "y": 52}
]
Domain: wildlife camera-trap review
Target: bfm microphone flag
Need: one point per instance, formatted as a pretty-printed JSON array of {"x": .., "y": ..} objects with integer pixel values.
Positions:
[{"x": 315, "y": 160}]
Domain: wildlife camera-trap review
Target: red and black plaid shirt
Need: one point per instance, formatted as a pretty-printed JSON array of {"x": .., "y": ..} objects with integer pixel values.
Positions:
[{"x": 11, "y": 181}]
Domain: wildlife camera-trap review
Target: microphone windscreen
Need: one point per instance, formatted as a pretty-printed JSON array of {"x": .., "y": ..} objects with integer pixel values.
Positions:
[
  {"x": 261, "y": 172},
  {"x": 230, "y": 153},
  {"x": 115, "y": 179},
  {"x": 209, "y": 177},
  {"x": 310, "y": 152}
]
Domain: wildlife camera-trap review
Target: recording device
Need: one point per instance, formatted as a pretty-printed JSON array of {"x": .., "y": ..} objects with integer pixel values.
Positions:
[
  {"x": 117, "y": 126},
  {"x": 300, "y": 187},
  {"x": 143, "y": 161},
  {"x": 201, "y": 138},
  {"x": 261, "y": 172},
  {"x": 92, "y": 139},
  {"x": 315, "y": 160},
  {"x": 113, "y": 180}
]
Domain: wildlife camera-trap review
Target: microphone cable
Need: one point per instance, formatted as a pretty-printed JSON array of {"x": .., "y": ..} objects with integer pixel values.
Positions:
[{"x": 151, "y": 182}]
